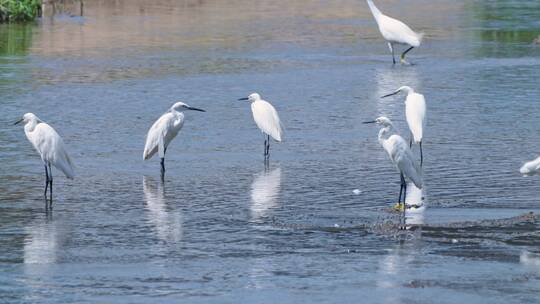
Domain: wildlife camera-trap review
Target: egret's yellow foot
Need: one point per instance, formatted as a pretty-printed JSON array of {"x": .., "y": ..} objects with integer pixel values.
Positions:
[
  {"x": 403, "y": 61},
  {"x": 399, "y": 207}
]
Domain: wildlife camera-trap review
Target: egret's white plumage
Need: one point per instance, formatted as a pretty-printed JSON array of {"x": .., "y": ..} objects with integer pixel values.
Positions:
[
  {"x": 395, "y": 31},
  {"x": 164, "y": 130},
  {"x": 398, "y": 151},
  {"x": 400, "y": 155},
  {"x": 162, "y": 133},
  {"x": 532, "y": 167},
  {"x": 49, "y": 145},
  {"x": 415, "y": 113},
  {"x": 266, "y": 118}
]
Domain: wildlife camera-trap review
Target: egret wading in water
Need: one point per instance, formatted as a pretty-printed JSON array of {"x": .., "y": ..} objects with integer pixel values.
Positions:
[
  {"x": 50, "y": 147},
  {"x": 415, "y": 113},
  {"x": 531, "y": 168},
  {"x": 395, "y": 32},
  {"x": 400, "y": 155},
  {"x": 164, "y": 130},
  {"x": 267, "y": 119}
]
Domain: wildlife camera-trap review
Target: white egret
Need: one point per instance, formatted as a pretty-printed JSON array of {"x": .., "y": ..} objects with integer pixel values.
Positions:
[
  {"x": 395, "y": 32},
  {"x": 400, "y": 155},
  {"x": 50, "y": 147},
  {"x": 267, "y": 119},
  {"x": 531, "y": 168},
  {"x": 415, "y": 113},
  {"x": 164, "y": 130}
]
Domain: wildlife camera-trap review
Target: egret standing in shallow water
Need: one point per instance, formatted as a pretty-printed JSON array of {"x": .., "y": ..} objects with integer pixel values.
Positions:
[
  {"x": 531, "y": 168},
  {"x": 50, "y": 147},
  {"x": 395, "y": 32},
  {"x": 415, "y": 112},
  {"x": 163, "y": 131},
  {"x": 267, "y": 119},
  {"x": 400, "y": 155}
]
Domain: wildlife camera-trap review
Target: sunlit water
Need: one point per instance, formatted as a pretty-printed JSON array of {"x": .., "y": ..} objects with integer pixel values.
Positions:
[{"x": 222, "y": 228}]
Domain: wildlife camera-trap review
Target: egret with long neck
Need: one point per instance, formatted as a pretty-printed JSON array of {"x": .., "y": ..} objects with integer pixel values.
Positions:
[
  {"x": 50, "y": 147},
  {"x": 415, "y": 113},
  {"x": 395, "y": 32},
  {"x": 400, "y": 155},
  {"x": 267, "y": 119},
  {"x": 164, "y": 130}
]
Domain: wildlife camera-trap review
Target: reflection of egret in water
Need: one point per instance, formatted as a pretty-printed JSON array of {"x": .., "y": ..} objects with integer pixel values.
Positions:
[
  {"x": 264, "y": 192},
  {"x": 41, "y": 243},
  {"x": 42, "y": 246},
  {"x": 168, "y": 225},
  {"x": 416, "y": 205},
  {"x": 530, "y": 261},
  {"x": 395, "y": 269}
]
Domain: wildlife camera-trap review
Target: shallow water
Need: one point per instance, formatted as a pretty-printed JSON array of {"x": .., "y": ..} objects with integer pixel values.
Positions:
[{"x": 222, "y": 228}]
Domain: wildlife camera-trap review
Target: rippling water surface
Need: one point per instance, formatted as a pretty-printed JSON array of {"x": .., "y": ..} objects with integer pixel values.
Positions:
[{"x": 222, "y": 228}]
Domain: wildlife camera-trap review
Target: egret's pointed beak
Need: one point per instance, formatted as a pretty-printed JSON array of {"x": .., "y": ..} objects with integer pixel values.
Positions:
[
  {"x": 245, "y": 98},
  {"x": 18, "y": 121},
  {"x": 390, "y": 94},
  {"x": 369, "y": 122},
  {"x": 196, "y": 109}
]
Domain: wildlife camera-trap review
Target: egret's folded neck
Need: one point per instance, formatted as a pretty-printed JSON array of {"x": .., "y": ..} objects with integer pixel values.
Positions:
[
  {"x": 31, "y": 125},
  {"x": 385, "y": 133}
]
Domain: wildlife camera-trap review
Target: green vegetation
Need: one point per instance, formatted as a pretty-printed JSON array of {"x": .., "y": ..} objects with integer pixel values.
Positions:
[
  {"x": 15, "y": 39},
  {"x": 19, "y": 10}
]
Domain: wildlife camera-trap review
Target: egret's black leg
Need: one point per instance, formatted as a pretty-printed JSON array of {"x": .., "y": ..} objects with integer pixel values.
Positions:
[
  {"x": 162, "y": 168},
  {"x": 404, "y": 188},
  {"x": 268, "y": 146},
  {"x": 265, "y": 150},
  {"x": 421, "y": 155},
  {"x": 404, "y": 53},
  {"x": 50, "y": 187},
  {"x": 392, "y": 50},
  {"x": 46, "y": 181},
  {"x": 404, "y": 195},
  {"x": 404, "y": 204},
  {"x": 410, "y": 142},
  {"x": 400, "y": 192}
]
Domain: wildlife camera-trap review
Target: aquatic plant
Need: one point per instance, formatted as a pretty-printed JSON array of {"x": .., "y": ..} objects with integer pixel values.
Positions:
[{"x": 19, "y": 10}]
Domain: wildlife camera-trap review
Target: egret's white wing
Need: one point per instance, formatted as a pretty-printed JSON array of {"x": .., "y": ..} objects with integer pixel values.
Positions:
[
  {"x": 401, "y": 155},
  {"x": 267, "y": 119},
  {"x": 531, "y": 167},
  {"x": 51, "y": 148},
  {"x": 396, "y": 31},
  {"x": 415, "y": 112},
  {"x": 161, "y": 133}
]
